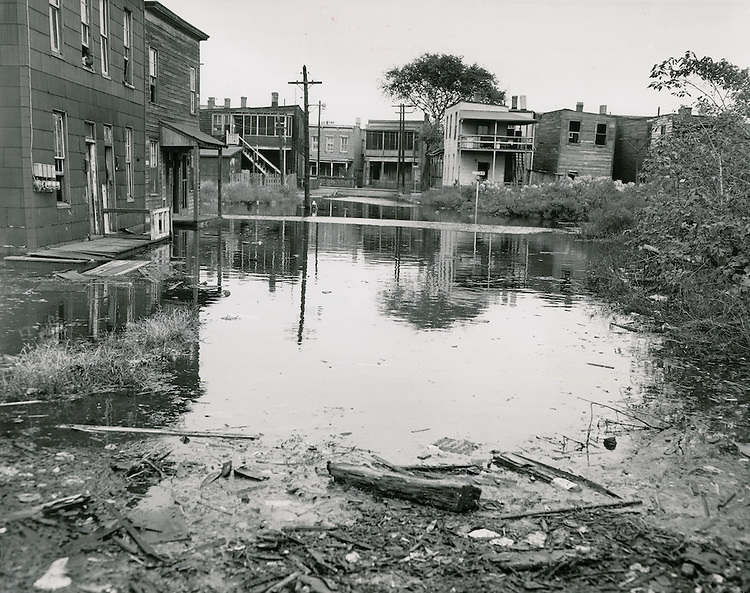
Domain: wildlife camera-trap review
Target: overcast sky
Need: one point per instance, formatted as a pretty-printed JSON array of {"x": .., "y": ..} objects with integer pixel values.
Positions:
[{"x": 556, "y": 52}]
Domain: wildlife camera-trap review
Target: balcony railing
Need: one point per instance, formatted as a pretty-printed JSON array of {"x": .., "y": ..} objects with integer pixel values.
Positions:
[{"x": 499, "y": 143}]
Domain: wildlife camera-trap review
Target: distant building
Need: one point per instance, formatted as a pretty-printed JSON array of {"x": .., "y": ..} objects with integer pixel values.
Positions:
[
  {"x": 271, "y": 138},
  {"x": 574, "y": 143},
  {"x": 393, "y": 156},
  {"x": 494, "y": 140},
  {"x": 336, "y": 154},
  {"x": 631, "y": 147},
  {"x": 173, "y": 136}
]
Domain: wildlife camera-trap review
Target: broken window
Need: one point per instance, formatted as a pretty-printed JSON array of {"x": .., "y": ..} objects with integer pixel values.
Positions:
[
  {"x": 574, "y": 132},
  {"x": 600, "y": 139}
]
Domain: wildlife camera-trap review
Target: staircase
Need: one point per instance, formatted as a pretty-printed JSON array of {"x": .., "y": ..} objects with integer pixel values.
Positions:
[
  {"x": 519, "y": 168},
  {"x": 261, "y": 163}
]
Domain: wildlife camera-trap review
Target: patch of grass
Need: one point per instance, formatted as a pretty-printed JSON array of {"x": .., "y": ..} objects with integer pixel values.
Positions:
[
  {"x": 239, "y": 192},
  {"x": 137, "y": 358}
]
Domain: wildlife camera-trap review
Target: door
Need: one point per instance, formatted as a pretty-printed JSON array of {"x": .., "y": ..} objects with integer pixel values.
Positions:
[
  {"x": 92, "y": 190},
  {"x": 108, "y": 187}
]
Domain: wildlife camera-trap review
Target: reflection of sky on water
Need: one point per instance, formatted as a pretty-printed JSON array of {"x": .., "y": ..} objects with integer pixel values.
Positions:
[{"x": 397, "y": 330}]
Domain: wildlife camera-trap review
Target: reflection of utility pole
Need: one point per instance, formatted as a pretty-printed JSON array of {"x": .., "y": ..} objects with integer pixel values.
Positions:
[
  {"x": 306, "y": 83},
  {"x": 305, "y": 244}
]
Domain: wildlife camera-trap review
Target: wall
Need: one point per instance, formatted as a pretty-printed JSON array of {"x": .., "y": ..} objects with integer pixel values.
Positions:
[
  {"x": 631, "y": 146},
  {"x": 61, "y": 82}
]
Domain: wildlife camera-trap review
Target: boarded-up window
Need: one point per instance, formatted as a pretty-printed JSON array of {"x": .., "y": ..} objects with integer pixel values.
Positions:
[
  {"x": 601, "y": 135},
  {"x": 574, "y": 132}
]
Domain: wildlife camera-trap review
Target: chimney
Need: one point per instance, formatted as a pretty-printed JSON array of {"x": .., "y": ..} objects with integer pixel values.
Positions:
[
  {"x": 602, "y": 110},
  {"x": 212, "y": 102},
  {"x": 514, "y": 102},
  {"x": 522, "y": 102},
  {"x": 243, "y": 102},
  {"x": 579, "y": 106},
  {"x": 227, "y": 103},
  {"x": 274, "y": 99},
  {"x": 357, "y": 123}
]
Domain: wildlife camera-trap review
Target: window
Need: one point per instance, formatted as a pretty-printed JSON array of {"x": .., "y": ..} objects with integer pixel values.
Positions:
[
  {"x": 86, "y": 58},
  {"x": 344, "y": 143},
  {"x": 60, "y": 140},
  {"x": 127, "y": 44},
  {"x": 153, "y": 163},
  {"x": 153, "y": 58},
  {"x": 574, "y": 132},
  {"x": 329, "y": 143},
  {"x": 483, "y": 130},
  {"x": 374, "y": 140},
  {"x": 129, "y": 164},
  {"x": 390, "y": 140},
  {"x": 55, "y": 41},
  {"x": 218, "y": 123},
  {"x": 601, "y": 135},
  {"x": 192, "y": 91},
  {"x": 104, "y": 35},
  {"x": 314, "y": 143}
]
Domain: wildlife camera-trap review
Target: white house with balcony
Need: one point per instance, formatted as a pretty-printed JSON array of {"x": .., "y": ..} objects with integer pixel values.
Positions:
[{"x": 494, "y": 141}]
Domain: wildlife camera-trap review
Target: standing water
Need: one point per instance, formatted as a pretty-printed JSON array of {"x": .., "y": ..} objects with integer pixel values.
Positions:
[
  {"x": 399, "y": 333},
  {"x": 394, "y": 333}
]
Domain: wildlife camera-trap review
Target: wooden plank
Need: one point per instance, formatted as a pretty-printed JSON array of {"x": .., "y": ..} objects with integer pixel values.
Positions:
[
  {"x": 159, "y": 431},
  {"x": 116, "y": 267},
  {"x": 443, "y": 494}
]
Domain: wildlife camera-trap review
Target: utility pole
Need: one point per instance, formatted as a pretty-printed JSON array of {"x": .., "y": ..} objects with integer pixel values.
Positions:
[{"x": 305, "y": 84}]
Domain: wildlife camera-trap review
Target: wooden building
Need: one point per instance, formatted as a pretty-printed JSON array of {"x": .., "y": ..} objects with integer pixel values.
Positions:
[
  {"x": 494, "y": 140},
  {"x": 393, "y": 154},
  {"x": 271, "y": 138},
  {"x": 173, "y": 136},
  {"x": 574, "y": 143},
  {"x": 71, "y": 112},
  {"x": 631, "y": 147},
  {"x": 336, "y": 154}
]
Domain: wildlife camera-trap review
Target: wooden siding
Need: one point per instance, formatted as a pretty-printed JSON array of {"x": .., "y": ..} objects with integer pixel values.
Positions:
[
  {"x": 38, "y": 81},
  {"x": 556, "y": 155},
  {"x": 631, "y": 146}
]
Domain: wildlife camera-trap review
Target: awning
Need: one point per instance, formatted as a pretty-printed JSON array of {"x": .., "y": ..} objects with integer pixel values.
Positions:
[
  {"x": 510, "y": 117},
  {"x": 180, "y": 135}
]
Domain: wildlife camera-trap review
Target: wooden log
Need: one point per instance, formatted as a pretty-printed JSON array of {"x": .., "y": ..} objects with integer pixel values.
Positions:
[{"x": 443, "y": 494}]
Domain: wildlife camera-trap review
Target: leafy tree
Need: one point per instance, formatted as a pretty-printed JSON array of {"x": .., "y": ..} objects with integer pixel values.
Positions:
[
  {"x": 702, "y": 219},
  {"x": 434, "y": 82}
]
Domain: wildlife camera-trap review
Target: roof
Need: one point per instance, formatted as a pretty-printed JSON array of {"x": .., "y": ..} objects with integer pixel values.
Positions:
[
  {"x": 170, "y": 17},
  {"x": 226, "y": 153},
  {"x": 186, "y": 135},
  {"x": 516, "y": 117}
]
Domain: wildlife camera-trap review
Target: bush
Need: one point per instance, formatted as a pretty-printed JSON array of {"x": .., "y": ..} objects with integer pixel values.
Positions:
[{"x": 237, "y": 192}]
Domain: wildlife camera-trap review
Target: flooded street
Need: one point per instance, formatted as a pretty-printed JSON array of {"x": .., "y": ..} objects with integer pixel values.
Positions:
[{"x": 391, "y": 333}]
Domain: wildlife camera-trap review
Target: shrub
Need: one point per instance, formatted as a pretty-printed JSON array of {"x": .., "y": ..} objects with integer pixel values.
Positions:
[{"x": 237, "y": 192}]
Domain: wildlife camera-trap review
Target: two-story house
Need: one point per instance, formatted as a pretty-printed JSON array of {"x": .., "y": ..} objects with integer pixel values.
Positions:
[
  {"x": 271, "y": 138},
  {"x": 574, "y": 143},
  {"x": 492, "y": 141},
  {"x": 393, "y": 154},
  {"x": 71, "y": 113},
  {"x": 336, "y": 154},
  {"x": 173, "y": 136}
]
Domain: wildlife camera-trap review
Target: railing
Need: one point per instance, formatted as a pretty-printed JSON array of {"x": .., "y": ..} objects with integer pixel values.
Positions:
[
  {"x": 256, "y": 158},
  {"x": 159, "y": 221},
  {"x": 501, "y": 143}
]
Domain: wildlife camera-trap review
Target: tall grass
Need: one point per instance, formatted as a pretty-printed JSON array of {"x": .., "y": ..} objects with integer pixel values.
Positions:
[
  {"x": 600, "y": 205},
  {"x": 138, "y": 357},
  {"x": 238, "y": 192}
]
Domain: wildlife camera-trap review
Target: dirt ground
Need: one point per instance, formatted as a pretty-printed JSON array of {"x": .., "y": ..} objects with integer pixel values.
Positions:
[{"x": 153, "y": 514}]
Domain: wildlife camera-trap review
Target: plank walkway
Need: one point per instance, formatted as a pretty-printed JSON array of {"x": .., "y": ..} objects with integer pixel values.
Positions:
[{"x": 81, "y": 255}]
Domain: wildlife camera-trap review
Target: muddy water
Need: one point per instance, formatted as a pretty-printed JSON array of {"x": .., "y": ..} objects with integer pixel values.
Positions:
[
  {"x": 397, "y": 336},
  {"x": 394, "y": 334}
]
